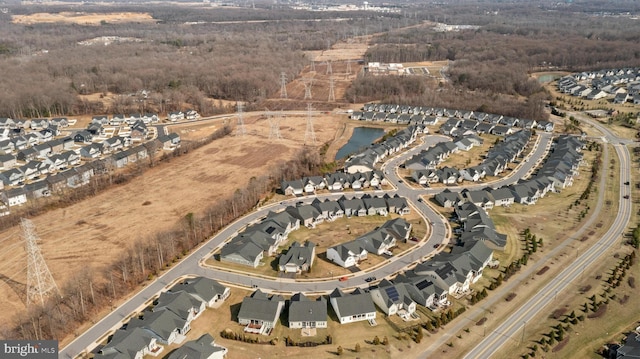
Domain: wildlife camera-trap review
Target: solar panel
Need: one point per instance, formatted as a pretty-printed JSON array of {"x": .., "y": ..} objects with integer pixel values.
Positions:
[
  {"x": 392, "y": 293},
  {"x": 423, "y": 284}
]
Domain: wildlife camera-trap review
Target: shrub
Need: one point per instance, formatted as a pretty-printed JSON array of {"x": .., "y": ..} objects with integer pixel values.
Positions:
[
  {"x": 357, "y": 349},
  {"x": 376, "y": 340},
  {"x": 340, "y": 350}
]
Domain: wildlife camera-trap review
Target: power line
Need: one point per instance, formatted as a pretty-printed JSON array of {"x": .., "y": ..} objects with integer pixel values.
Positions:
[
  {"x": 40, "y": 283},
  {"x": 309, "y": 135}
]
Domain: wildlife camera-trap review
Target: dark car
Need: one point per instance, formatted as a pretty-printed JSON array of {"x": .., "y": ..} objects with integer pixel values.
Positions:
[
  {"x": 626, "y": 183},
  {"x": 370, "y": 279},
  {"x": 626, "y": 196}
]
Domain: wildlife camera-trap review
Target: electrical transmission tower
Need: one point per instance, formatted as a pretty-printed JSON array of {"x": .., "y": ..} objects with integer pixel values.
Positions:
[
  {"x": 332, "y": 95},
  {"x": 283, "y": 84},
  {"x": 240, "y": 130},
  {"x": 308, "y": 82},
  {"x": 309, "y": 135},
  {"x": 40, "y": 283},
  {"x": 329, "y": 69},
  {"x": 274, "y": 126}
]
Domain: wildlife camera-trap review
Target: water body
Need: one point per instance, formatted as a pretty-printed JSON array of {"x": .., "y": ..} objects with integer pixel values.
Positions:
[
  {"x": 548, "y": 78},
  {"x": 361, "y": 138}
]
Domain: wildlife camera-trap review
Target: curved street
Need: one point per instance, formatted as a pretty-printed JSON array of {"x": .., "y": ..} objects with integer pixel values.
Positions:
[{"x": 191, "y": 265}]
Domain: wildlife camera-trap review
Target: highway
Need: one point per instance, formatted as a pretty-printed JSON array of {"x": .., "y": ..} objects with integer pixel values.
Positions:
[
  {"x": 514, "y": 327},
  {"x": 192, "y": 264}
]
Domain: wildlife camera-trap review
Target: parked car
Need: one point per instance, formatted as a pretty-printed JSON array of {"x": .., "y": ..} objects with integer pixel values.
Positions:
[
  {"x": 370, "y": 279},
  {"x": 342, "y": 279}
]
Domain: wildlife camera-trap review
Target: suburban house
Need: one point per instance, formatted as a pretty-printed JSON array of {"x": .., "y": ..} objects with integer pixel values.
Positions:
[
  {"x": 244, "y": 252},
  {"x": 448, "y": 199},
  {"x": 170, "y": 141},
  {"x": 347, "y": 254},
  {"x": 176, "y": 116},
  {"x": 182, "y": 304},
  {"x": 423, "y": 290},
  {"x": 204, "y": 289},
  {"x": 130, "y": 343},
  {"x": 164, "y": 325},
  {"x": 502, "y": 196},
  {"x": 298, "y": 258},
  {"x": 83, "y": 136},
  {"x": 201, "y": 348},
  {"x": 354, "y": 307},
  {"x": 393, "y": 299},
  {"x": 16, "y": 196},
  {"x": 7, "y": 161},
  {"x": 12, "y": 177},
  {"x": 260, "y": 313},
  {"x": 93, "y": 150},
  {"x": 306, "y": 313},
  {"x": 330, "y": 210}
]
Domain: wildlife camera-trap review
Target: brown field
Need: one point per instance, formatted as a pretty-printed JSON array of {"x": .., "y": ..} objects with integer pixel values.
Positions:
[
  {"x": 92, "y": 233},
  {"x": 82, "y": 18}
]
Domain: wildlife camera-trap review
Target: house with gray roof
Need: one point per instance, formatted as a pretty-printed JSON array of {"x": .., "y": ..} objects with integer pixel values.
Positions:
[
  {"x": 292, "y": 188},
  {"x": 260, "y": 313},
  {"x": 630, "y": 348},
  {"x": 166, "y": 326},
  {"x": 353, "y": 207},
  {"x": 347, "y": 254},
  {"x": 449, "y": 199},
  {"x": 502, "y": 196},
  {"x": 298, "y": 258},
  {"x": 423, "y": 290},
  {"x": 393, "y": 299},
  {"x": 329, "y": 209},
  {"x": 244, "y": 252},
  {"x": 201, "y": 348},
  {"x": 182, "y": 304},
  {"x": 353, "y": 307},
  {"x": 397, "y": 205},
  {"x": 204, "y": 289},
  {"x": 306, "y": 313},
  {"x": 130, "y": 344}
]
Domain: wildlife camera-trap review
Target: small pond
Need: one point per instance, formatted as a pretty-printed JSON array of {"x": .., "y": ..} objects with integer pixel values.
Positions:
[{"x": 361, "y": 138}]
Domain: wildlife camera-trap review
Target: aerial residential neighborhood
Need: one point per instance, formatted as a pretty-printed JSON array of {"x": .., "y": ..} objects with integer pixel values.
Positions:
[{"x": 235, "y": 180}]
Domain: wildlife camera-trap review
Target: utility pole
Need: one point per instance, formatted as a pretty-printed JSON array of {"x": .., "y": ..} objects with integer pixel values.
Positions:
[{"x": 40, "y": 283}]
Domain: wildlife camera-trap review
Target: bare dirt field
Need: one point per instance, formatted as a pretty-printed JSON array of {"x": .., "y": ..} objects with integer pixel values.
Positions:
[
  {"x": 92, "y": 233},
  {"x": 82, "y": 18}
]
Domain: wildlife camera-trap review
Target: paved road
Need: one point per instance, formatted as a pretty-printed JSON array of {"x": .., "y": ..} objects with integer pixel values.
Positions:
[
  {"x": 191, "y": 264},
  {"x": 514, "y": 327}
]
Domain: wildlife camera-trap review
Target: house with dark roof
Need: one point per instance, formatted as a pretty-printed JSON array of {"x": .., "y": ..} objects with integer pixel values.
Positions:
[
  {"x": 298, "y": 258},
  {"x": 132, "y": 343},
  {"x": 306, "y": 313},
  {"x": 630, "y": 348},
  {"x": 83, "y": 136},
  {"x": 164, "y": 325},
  {"x": 353, "y": 307},
  {"x": 203, "y": 289},
  {"x": 201, "y": 348},
  {"x": 260, "y": 313},
  {"x": 393, "y": 299},
  {"x": 347, "y": 254},
  {"x": 180, "y": 303},
  {"x": 448, "y": 199}
]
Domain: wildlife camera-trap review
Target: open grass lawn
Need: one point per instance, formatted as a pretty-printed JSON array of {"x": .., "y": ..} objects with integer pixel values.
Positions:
[{"x": 328, "y": 234}]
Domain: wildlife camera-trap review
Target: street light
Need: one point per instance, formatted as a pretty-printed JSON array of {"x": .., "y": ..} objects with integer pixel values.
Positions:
[{"x": 524, "y": 327}]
